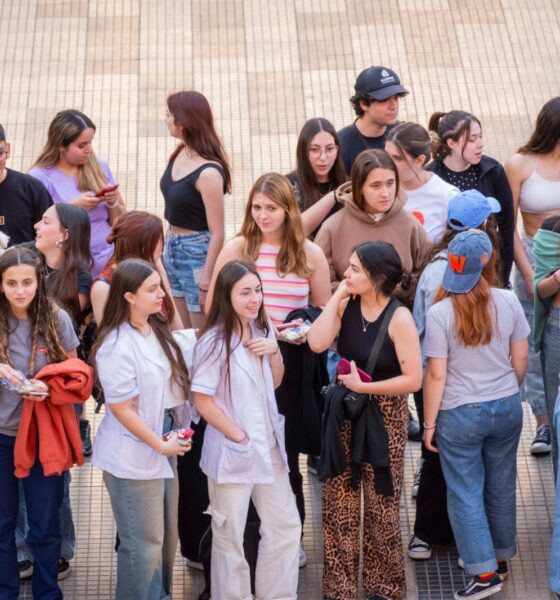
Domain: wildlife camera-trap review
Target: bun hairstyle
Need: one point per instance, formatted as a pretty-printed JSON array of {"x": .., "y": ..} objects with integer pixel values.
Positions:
[
  {"x": 411, "y": 139},
  {"x": 383, "y": 265},
  {"x": 449, "y": 126}
]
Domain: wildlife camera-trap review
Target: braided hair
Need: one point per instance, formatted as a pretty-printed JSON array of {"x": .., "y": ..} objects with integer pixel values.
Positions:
[{"x": 43, "y": 314}]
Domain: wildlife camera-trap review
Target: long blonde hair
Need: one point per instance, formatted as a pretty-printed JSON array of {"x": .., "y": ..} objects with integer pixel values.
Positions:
[
  {"x": 64, "y": 129},
  {"x": 291, "y": 258}
]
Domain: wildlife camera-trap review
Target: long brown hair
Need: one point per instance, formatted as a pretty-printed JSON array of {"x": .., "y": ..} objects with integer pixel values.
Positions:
[
  {"x": 136, "y": 234},
  {"x": 304, "y": 174},
  {"x": 367, "y": 161},
  {"x": 62, "y": 285},
  {"x": 128, "y": 277},
  {"x": 42, "y": 313},
  {"x": 192, "y": 113},
  {"x": 222, "y": 314},
  {"x": 473, "y": 321},
  {"x": 291, "y": 257},
  {"x": 64, "y": 129},
  {"x": 546, "y": 135},
  {"x": 450, "y": 126}
]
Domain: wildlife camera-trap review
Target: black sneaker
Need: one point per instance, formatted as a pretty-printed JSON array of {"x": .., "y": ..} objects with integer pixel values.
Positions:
[
  {"x": 85, "y": 433},
  {"x": 542, "y": 444},
  {"x": 25, "y": 568},
  {"x": 478, "y": 588},
  {"x": 63, "y": 570},
  {"x": 417, "y": 474},
  {"x": 502, "y": 570}
]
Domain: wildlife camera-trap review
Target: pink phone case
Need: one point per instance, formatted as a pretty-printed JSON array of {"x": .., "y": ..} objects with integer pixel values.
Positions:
[{"x": 343, "y": 368}]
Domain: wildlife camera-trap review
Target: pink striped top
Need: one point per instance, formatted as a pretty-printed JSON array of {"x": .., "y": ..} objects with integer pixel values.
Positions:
[{"x": 281, "y": 294}]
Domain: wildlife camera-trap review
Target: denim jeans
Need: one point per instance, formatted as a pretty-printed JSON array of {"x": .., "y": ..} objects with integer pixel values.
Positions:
[
  {"x": 67, "y": 530},
  {"x": 532, "y": 388},
  {"x": 43, "y": 500},
  {"x": 184, "y": 257},
  {"x": 554, "y": 567},
  {"x": 478, "y": 449},
  {"x": 145, "y": 512},
  {"x": 550, "y": 358}
]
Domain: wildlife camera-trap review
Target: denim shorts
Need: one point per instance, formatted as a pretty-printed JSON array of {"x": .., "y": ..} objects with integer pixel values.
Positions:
[{"x": 184, "y": 257}]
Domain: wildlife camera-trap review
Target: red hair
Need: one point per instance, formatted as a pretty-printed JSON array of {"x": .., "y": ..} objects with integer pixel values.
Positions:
[{"x": 192, "y": 113}]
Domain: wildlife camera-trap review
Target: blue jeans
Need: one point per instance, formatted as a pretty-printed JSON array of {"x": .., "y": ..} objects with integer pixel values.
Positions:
[
  {"x": 532, "y": 388},
  {"x": 43, "y": 499},
  {"x": 550, "y": 359},
  {"x": 67, "y": 530},
  {"x": 478, "y": 449},
  {"x": 554, "y": 567},
  {"x": 184, "y": 257},
  {"x": 146, "y": 514}
]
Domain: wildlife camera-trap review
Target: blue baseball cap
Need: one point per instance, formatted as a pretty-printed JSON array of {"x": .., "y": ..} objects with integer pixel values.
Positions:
[
  {"x": 467, "y": 255},
  {"x": 470, "y": 209}
]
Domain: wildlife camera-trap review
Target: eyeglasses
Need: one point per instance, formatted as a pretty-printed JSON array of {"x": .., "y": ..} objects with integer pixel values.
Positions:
[{"x": 316, "y": 151}]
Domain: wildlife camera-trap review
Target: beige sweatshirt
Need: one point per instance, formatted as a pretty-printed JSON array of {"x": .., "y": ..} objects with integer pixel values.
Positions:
[{"x": 351, "y": 226}]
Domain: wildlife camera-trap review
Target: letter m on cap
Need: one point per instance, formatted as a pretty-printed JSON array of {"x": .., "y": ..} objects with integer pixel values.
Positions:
[{"x": 456, "y": 262}]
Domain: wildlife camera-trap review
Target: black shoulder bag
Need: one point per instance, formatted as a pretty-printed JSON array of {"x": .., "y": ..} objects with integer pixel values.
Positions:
[{"x": 353, "y": 402}]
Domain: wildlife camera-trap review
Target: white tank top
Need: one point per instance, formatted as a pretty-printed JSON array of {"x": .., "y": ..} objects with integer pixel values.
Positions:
[{"x": 539, "y": 195}]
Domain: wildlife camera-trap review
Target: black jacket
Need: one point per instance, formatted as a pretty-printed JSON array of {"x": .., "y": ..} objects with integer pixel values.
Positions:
[
  {"x": 369, "y": 441},
  {"x": 299, "y": 395},
  {"x": 493, "y": 182}
]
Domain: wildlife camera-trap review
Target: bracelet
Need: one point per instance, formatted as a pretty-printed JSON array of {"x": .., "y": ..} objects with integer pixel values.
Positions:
[
  {"x": 554, "y": 277},
  {"x": 111, "y": 205},
  {"x": 429, "y": 426}
]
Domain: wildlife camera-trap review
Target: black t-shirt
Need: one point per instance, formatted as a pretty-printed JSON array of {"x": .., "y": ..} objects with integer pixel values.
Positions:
[
  {"x": 184, "y": 206},
  {"x": 23, "y": 200},
  {"x": 352, "y": 142}
]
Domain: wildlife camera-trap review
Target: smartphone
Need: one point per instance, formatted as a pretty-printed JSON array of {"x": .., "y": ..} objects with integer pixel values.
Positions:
[
  {"x": 282, "y": 326},
  {"x": 343, "y": 368},
  {"x": 106, "y": 190}
]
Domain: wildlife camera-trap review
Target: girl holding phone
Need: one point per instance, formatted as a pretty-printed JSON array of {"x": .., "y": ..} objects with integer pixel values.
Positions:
[
  {"x": 354, "y": 314},
  {"x": 33, "y": 333},
  {"x": 72, "y": 173},
  {"x": 237, "y": 366}
]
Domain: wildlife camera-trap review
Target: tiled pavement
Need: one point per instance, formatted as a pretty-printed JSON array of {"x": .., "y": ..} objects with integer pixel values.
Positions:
[{"x": 266, "y": 67}]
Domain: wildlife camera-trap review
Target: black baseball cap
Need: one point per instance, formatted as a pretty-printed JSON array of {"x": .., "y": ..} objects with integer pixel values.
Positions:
[{"x": 379, "y": 83}]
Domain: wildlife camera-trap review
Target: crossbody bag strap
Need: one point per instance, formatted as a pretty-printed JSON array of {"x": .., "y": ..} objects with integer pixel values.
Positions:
[{"x": 380, "y": 337}]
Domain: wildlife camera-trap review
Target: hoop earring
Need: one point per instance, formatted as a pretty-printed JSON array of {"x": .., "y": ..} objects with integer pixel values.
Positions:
[{"x": 59, "y": 243}]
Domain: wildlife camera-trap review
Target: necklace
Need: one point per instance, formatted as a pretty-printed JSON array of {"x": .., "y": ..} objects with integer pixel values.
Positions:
[
  {"x": 365, "y": 324},
  {"x": 191, "y": 156}
]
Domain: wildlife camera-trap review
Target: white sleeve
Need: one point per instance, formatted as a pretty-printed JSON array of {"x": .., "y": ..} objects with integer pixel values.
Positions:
[
  {"x": 116, "y": 369},
  {"x": 208, "y": 362}
]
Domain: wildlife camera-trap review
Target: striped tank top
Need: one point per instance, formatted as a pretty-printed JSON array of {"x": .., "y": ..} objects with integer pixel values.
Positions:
[{"x": 281, "y": 294}]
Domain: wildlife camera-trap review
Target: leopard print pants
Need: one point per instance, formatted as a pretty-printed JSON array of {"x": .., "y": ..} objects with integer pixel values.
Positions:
[{"x": 383, "y": 559}]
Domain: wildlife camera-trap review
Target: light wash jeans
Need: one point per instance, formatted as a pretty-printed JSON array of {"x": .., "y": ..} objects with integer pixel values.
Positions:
[
  {"x": 550, "y": 358},
  {"x": 146, "y": 514},
  {"x": 478, "y": 449},
  {"x": 554, "y": 566},
  {"x": 66, "y": 525},
  {"x": 532, "y": 388},
  {"x": 277, "y": 563}
]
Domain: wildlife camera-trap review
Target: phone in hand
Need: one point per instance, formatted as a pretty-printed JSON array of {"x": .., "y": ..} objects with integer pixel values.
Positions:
[
  {"x": 106, "y": 190},
  {"x": 343, "y": 368}
]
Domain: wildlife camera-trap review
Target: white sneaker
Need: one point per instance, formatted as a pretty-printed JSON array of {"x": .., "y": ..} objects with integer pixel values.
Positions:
[
  {"x": 419, "y": 549},
  {"x": 302, "y": 557}
]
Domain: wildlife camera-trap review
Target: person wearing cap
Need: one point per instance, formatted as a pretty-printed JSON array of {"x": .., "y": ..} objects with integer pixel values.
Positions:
[
  {"x": 467, "y": 210},
  {"x": 378, "y": 91},
  {"x": 476, "y": 345}
]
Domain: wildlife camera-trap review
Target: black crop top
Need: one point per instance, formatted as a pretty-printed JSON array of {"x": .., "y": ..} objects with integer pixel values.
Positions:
[
  {"x": 183, "y": 203},
  {"x": 354, "y": 344}
]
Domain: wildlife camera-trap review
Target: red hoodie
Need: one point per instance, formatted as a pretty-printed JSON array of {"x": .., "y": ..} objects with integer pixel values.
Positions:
[{"x": 53, "y": 422}]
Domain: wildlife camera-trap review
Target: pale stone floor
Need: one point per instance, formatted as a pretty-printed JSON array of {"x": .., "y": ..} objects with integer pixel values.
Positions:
[{"x": 266, "y": 67}]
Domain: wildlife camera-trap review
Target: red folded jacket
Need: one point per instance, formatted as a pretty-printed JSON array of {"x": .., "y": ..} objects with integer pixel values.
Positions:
[{"x": 52, "y": 426}]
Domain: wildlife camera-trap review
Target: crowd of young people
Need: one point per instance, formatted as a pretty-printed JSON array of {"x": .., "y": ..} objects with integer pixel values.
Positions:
[{"x": 388, "y": 249}]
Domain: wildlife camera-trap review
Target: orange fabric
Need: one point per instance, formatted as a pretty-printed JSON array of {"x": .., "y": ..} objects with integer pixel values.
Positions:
[{"x": 51, "y": 427}]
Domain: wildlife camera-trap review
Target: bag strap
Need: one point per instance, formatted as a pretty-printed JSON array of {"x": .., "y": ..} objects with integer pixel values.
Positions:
[{"x": 380, "y": 337}]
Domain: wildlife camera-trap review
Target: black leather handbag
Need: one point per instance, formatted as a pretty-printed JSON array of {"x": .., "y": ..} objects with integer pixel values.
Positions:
[{"x": 353, "y": 402}]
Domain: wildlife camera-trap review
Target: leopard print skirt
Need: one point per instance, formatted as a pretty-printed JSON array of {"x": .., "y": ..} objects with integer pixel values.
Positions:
[{"x": 383, "y": 558}]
